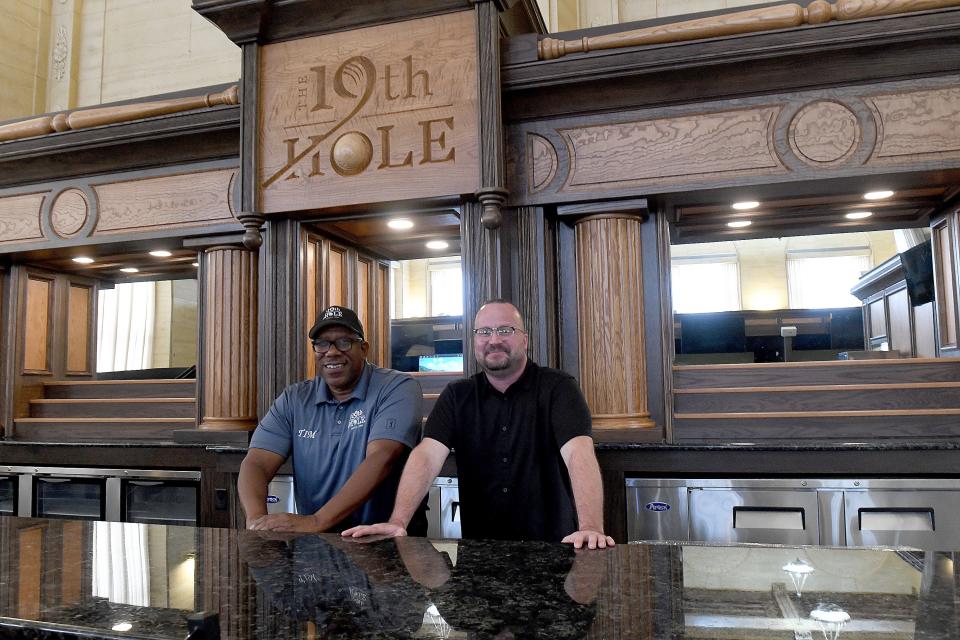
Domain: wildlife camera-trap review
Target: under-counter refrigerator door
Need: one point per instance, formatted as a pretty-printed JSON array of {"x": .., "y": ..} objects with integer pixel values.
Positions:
[
  {"x": 754, "y": 515},
  {"x": 8, "y": 495},
  {"x": 923, "y": 519},
  {"x": 161, "y": 502},
  {"x": 73, "y": 498}
]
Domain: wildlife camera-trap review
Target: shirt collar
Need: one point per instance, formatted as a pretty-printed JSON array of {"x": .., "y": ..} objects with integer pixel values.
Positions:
[
  {"x": 359, "y": 392},
  {"x": 524, "y": 382}
]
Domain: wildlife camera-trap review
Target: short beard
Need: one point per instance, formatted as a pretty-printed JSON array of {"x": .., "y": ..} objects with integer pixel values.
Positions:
[{"x": 497, "y": 367}]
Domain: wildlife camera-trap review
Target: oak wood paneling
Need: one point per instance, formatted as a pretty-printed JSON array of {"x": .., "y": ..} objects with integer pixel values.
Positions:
[
  {"x": 382, "y": 314},
  {"x": 389, "y": 111},
  {"x": 364, "y": 267},
  {"x": 36, "y": 336},
  {"x": 337, "y": 268},
  {"x": 311, "y": 285},
  {"x": 20, "y": 218},
  {"x": 613, "y": 369},
  {"x": 79, "y": 329},
  {"x": 901, "y": 338},
  {"x": 29, "y": 572},
  {"x": 924, "y": 331},
  {"x": 188, "y": 200},
  {"x": 878, "y": 319},
  {"x": 71, "y": 580},
  {"x": 229, "y": 400}
]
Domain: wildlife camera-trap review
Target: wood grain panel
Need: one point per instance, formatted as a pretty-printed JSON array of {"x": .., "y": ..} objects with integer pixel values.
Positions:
[
  {"x": 336, "y": 276},
  {"x": 230, "y": 340},
  {"x": 924, "y": 331},
  {"x": 79, "y": 329},
  {"x": 611, "y": 328},
  {"x": 311, "y": 286},
  {"x": 71, "y": 580},
  {"x": 362, "y": 116},
  {"x": 683, "y": 148},
  {"x": 878, "y": 319},
  {"x": 946, "y": 285},
  {"x": 186, "y": 200},
  {"x": 69, "y": 213},
  {"x": 20, "y": 218},
  {"x": 29, "y": 572},
  {"x": 36, "y": 333},
  {"x": 382, "y": 314},
  {"x": 917, "y": 125},
  {"x": 900, "y": 311},
  {"x": 364, "y": 267}
]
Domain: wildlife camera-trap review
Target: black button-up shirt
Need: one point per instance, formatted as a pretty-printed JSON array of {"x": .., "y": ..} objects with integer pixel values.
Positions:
[{"x": 513, "y": 482}]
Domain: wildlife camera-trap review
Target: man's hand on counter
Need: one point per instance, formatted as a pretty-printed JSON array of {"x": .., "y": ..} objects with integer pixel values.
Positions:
[
  {"x": 288, "y": 522},
  {"x": 590, "y": 539},
  {"x": 383, "y": 529}
]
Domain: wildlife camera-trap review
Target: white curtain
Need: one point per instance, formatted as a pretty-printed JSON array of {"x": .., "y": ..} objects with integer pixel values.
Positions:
[
  {"x": 699, "y": 287},
  {"x": 121, "y": 571},
  {"x": 823, "y": 283},
  {"x": 125, "y": 327}
]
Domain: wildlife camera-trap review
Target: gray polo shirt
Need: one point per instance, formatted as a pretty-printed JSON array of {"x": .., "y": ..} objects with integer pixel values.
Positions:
[{"x": 328, "y": 439}]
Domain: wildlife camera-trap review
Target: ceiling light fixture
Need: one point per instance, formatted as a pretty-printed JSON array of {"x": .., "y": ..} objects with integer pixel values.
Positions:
[
  {"x": 195, "y": 264},
  {"x": 858, "y": 215},
  {"x": 83, "y": 260},
  {"x": 161, "y": 253},
  {"x": 739, "y": 224},
  {"x": 437, "y": 244},
  {"x": 877, "y": 195},
  {"x": 130, "y": 270},
  {"x": 743, "y": 206},
  {"x": 400, "y": 224}
]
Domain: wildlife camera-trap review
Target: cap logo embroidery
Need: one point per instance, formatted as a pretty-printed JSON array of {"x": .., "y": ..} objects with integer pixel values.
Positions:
[
  {"x": 357, "y": 420},
  {"x": 333, "y": 312}
]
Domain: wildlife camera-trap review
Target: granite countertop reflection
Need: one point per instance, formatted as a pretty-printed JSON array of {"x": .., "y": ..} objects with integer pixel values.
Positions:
[{"x": 73, "y": 579}]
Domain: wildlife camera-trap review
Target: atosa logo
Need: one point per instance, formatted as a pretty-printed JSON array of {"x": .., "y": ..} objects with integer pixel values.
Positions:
[{"x": 657, "y": 506}]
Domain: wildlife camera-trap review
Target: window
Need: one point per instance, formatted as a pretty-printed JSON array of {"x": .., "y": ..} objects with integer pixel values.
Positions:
[
  {"x": 446, "y": 288},
  {"x": 824, "y": 282},
  {"x": 701, "y": 285}
]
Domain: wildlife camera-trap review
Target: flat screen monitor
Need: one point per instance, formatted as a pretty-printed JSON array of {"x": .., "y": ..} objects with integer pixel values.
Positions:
[
  {"x": 918, "y": 269},
  {"x": 446, "y": 363}
]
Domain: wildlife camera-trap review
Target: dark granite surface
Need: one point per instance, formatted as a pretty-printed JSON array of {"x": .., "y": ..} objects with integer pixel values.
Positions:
[{"x": 70, "y": 579}]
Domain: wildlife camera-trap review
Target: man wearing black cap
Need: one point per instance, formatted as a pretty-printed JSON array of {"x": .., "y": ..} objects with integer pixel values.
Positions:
[{"x": 349, "y": 430}]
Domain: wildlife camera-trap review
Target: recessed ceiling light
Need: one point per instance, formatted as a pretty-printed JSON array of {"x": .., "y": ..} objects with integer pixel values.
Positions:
[
  {"x": 742, "y": 206},
  {"x": 858, "y": 215},
  {"x": 400, "y": 224},
  {"x": 83, "y": 260},
  {"x": 130, "y": 270},
  {"x": 739, "y": 224},
  {"x": 877, "y": 195},
  {"x": 437, "y": 244},
  {"x": 161, "y": 253},
  {"x": 195, "y": 264}
]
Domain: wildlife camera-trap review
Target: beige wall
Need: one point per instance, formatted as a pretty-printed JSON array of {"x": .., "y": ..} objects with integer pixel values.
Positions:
[
  {"x": 61, "y": 54},
  {"x": 763, "y": 262},
  {"x": 566, "y": 15},
  {"x": 24, "y": 34},
  {"x": 175, "y": 324}
]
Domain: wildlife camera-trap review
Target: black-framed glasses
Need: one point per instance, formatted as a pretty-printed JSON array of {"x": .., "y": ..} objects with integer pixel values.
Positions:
[
  {"x": 342, "y": 344},
  {"x": 503, "y": 332}
]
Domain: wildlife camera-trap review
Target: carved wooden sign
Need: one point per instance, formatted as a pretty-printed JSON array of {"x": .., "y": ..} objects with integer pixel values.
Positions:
[{"x": 376, "y": 114}]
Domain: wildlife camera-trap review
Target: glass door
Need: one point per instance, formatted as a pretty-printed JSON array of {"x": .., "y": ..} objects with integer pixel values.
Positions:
[
  {"x": 8, "y": 495},
  {"x": 76, "y": 498},
  {"x": 161, "y": 501}
]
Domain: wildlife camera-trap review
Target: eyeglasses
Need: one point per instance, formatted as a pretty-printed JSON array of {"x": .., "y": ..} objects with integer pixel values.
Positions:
[
  {"x": 503, "y": 332},
  {"x": 342, "y": 344}
]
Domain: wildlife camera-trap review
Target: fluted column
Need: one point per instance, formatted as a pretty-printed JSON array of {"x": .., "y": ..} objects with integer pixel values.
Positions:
[
  {"x": 613, "y": 372},
  {"x": 229, "y": 399}
]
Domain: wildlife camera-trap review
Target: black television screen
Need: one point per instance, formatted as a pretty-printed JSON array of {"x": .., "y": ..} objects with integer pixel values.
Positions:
[{"x": 918, "y": 269}]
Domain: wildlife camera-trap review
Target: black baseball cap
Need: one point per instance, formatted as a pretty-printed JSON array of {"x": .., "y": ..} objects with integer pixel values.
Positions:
[{"x": 336, "y": 316}]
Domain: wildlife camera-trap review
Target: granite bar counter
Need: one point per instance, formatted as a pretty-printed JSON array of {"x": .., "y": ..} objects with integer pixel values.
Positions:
[{"x": 74, "y": 579}]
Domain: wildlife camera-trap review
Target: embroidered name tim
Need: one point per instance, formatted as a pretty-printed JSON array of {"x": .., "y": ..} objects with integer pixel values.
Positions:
[
  {"x": 306, "y": 433},
  {"x": 357, "y": 420}
]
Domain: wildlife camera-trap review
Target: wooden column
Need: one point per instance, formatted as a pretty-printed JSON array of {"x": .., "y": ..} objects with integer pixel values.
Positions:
[
  {"x": 229, "y": 375},
  {"x": 613, "y": 371}
]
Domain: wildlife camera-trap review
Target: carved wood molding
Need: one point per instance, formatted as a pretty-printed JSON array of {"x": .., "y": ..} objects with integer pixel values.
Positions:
[
  {"x": 98, "y": 116},
  {"x": 751, "y": 21},
  {"x": 809, "y": 135}
]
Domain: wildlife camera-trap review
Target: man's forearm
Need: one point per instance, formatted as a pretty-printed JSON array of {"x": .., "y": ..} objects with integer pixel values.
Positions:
[
  {"x": 587, "y": 489},
  {"x": 252, "y": 487},
  {"x": 357, "y": 489},
  {"x": 419, "y": 472}
]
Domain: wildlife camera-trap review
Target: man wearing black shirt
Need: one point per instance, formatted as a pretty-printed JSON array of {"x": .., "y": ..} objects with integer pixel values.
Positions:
[{"x": 525, "y": 459}]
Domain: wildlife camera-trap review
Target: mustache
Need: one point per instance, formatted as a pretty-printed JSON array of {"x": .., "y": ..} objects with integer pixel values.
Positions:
[{"x": 497, "y": 349}]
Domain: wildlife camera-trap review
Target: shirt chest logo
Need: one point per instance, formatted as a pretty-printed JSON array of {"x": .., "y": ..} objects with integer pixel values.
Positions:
[
  {"x": 306, "y": 433},
  {"x": 357, "y": 420}
]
